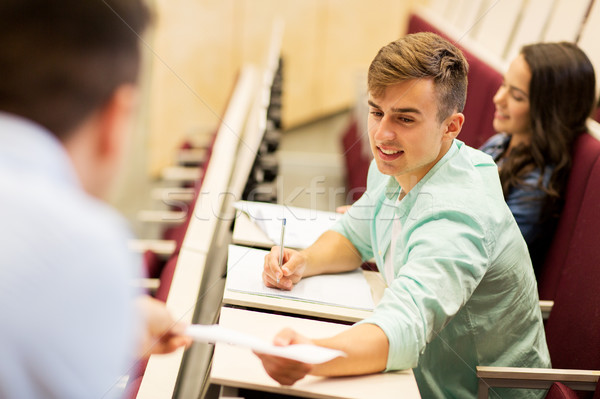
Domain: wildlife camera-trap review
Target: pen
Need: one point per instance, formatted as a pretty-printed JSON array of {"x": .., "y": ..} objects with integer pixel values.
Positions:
[{"x": 281, "y": 247}]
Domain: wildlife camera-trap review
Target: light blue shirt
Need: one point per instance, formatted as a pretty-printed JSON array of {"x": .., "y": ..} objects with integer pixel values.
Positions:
[
  {"x": 65, "y": 275},
  {"x": 464, "y": 292}
]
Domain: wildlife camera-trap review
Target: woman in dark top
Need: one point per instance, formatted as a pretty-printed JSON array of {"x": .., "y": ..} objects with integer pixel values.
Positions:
[{"x": 541, "y": 108}]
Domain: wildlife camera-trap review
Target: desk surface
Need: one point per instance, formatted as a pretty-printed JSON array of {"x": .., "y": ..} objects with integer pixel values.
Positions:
[
  {"x": 330, "y": 312},
  {"x": 240, "y": 368}
]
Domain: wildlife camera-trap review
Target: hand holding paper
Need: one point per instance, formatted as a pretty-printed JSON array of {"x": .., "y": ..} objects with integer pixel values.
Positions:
[
  {"x": 160, "y": 332},
  {"x": 284, "y": 371},
  {"x": 304, "y": 353}
]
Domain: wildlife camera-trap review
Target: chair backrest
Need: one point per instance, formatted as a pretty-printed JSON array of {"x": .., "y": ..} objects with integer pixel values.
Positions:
[
  {"x": 484, "y": 82},
  {"x": 166, "y": 278},
  {"x": 560, "y": 391},
  {"x": 573, "y": 328},
  {"x": 357, "y": 165},
  {"x": 579, "y": 225}
]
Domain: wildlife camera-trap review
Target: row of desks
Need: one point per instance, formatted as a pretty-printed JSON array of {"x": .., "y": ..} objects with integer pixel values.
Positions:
[
  {"x": 235, "y": 368},
  {"x": 197, "y": 292}
]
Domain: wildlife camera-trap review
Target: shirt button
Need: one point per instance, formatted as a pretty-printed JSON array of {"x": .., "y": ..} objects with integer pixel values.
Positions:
[{"x": 379, "y": 252}]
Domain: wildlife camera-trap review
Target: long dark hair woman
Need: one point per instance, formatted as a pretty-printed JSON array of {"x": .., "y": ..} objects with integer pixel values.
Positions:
[{"x": 541, "y": 109}]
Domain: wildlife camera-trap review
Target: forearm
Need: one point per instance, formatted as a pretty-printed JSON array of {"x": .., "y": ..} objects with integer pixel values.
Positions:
[
  {"x": 367, "y": 348},
  {"x": 331, "y": 253}
]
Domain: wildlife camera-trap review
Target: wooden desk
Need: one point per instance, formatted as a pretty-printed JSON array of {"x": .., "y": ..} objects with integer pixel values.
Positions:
[
  {"x": 235, "y": 367},
  {"x": 315, "y": 310}
]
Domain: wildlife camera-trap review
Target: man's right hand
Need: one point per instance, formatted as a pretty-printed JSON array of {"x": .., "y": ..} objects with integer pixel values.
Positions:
[
  {"x": 286, "y": 371},
  {"x": 294, "y": 264}
]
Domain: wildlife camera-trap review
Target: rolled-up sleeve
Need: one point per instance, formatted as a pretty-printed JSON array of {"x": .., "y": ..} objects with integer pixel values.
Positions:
[{"x": 439, "y": 261}]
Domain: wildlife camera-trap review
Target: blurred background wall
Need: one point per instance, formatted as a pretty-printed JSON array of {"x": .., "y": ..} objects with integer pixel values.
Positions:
[{"x": 198, "y": 46}]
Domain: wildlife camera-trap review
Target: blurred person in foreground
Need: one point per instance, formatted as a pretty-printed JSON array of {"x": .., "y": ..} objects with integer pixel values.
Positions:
[{"x": 72, "y": 323}]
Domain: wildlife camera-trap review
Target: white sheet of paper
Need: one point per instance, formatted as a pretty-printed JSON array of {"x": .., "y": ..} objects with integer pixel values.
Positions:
[
  {"x": 303, "y": 226},
  {"x": 244, "y": 274},
  {"x": 303, "y": 353}
]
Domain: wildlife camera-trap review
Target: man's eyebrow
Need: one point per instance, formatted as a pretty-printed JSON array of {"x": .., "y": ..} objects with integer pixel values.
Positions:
[
  {"x": 372, "y": 104},
  {"x": 405, "y": 110},
  {"x": 397, "y": 110}
]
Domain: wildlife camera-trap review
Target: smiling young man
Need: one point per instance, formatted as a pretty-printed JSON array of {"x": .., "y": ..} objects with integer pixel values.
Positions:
[{"x": 460, "y": 287}]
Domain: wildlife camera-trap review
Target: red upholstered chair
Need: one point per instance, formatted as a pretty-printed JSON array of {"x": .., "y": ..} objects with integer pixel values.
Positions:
[
  {"x": 483, "y": 85},
  {"x": 357, "y": 165},
  {"x": 153, "y": 263},
  {"x": 573, "y": 327},
  {"x": 575, "y": 241},
  {"x": 484, "y": 82},
  {"x": 560, "y": 391},
  {"x": 135, "y": 379},
  {"x": 166, "y": 278}
]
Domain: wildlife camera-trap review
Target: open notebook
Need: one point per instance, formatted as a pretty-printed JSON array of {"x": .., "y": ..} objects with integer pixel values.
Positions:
[
  {"x": 304, "y": 225},
  {"x": 244, "y": 274}
]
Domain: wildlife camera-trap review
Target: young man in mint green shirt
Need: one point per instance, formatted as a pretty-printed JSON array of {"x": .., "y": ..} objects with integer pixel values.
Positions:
[{"x": 461, "y": 289}]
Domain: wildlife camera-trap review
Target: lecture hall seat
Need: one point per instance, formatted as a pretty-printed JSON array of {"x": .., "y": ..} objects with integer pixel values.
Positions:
[
  {"x": 153, "y": 262},
  {"x": 484, "y": 82},
  {"x": 578, "y": 228},
  {"x": 166, "y": 278},
  {"x": 571, "y": 278},
  {"x": 357, "y": 164},
  {"x": 561, "y": 391},
  {"x": 573, "y": 328}
]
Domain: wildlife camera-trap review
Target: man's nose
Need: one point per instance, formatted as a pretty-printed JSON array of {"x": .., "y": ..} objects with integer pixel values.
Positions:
[{"x": 384, "y": 130}]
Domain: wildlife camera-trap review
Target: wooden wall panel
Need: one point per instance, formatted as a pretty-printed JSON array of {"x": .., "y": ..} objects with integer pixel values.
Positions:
[
  {"x": 468, "y": 16},
  {"x": 565, "y": 21},
  {"x": 192, "y": 72},
  {"x": 588, "y": 41},
  {"x": 198, "y": 47},
  {"x": 531, "y": 25},
  {"x": 494, "y": 30}
]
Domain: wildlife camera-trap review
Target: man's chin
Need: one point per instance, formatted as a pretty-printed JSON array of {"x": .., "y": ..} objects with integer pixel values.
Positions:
[{"x": 385, "y": 167}]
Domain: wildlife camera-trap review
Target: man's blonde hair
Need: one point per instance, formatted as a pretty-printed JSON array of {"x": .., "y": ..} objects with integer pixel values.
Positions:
[{"x": 423, "y": 55}]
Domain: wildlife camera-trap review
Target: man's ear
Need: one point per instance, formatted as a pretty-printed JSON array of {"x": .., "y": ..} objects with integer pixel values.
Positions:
[
  {"x": 453, "y": 125},
  {"x": 115, "y": 120}
]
